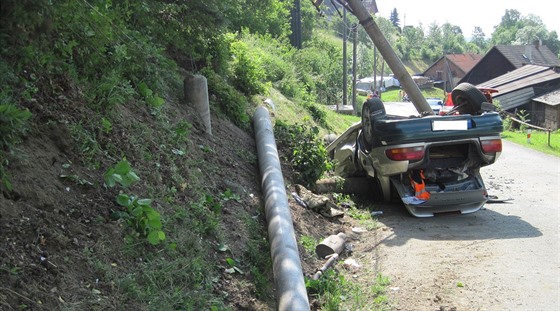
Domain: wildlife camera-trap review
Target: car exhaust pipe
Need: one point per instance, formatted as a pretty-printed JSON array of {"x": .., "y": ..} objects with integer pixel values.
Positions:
[{"x": 286, "y": 264}]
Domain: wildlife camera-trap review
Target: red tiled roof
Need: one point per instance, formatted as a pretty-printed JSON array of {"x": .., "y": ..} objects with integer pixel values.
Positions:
[{"x": 464, "y": 61}]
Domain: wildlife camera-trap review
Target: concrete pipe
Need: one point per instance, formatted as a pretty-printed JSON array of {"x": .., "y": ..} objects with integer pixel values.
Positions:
[{"x": 288, "y": 274}]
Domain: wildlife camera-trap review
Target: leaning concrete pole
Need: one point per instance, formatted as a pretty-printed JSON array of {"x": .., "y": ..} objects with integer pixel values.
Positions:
[{"x": 394, "y": 62}]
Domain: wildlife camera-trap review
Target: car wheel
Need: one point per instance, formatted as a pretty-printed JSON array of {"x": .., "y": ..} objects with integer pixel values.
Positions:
[
  {"x": 467, "y": 99},
  {"x": 372, "y": 110}
]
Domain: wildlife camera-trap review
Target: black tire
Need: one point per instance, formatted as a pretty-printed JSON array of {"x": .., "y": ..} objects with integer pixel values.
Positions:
[
  {"x": 372, "y": 111},
  {"x": 467, "y": 99}
]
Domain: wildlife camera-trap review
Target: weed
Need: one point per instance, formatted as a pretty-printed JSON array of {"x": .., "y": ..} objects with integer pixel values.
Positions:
[
  {"x": 358, "y": 214},
  {"x": 378, "y": 290},
  {"x": 233, "y": 266},
  {"x": 205, "y": 149},
  {"x": 523, "y": 115},
  {"x": 139, "y": 214},
  {"x": 305, "y": 152},
  {"x": 88, "y": 145},
  {"x": 308, "y": 243},
  {"x": 152, "y": 99},
  {"x": 106, "y": 125},
  {"x": 204, "y": 215},
  {"x": 181, "y": 131},
  {"x": 13, "y": 125},
  {"x": 229, "y": 195},
  {"x": 332, "y": 289},
  {"x": 257, "y": 256}
]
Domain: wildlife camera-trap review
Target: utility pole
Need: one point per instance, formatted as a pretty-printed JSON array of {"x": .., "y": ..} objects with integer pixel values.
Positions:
[
  {"x": 344, "y": 64},
  {"x": 354, "y": 56},
  {"x": 295, "y": 23},
  {"x": 390, "y": 56},
  {"x": 381, "y": 88},
  {"x": 374, "y": 68}
]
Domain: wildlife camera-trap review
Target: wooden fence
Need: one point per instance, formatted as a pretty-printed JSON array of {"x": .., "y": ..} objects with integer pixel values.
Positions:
[{"x": 533, "y": 127}]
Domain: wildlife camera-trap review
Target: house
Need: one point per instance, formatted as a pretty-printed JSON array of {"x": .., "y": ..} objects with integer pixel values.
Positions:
[
  {"x": 502, "y": 59},
  {"x": 528, "y": 88},
  {"x": 546, "y": 110},
  {"x": 449, "y": 69}
]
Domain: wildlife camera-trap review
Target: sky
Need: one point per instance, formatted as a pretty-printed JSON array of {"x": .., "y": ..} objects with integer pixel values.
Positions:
[{"x": 468, "y": 14}]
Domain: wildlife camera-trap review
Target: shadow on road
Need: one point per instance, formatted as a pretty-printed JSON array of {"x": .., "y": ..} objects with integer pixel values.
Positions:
[{"x": 485, "y": 224}]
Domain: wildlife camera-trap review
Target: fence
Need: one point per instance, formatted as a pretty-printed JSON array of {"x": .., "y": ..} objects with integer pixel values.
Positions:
[{"x": 530, "y": 126}]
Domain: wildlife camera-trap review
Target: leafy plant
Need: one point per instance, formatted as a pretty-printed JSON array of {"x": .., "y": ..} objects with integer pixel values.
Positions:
[
  {"x": 233, "y": 266},
  {"x": 247, "y": 70},
  {"x": 87, "y": 143},
  {"x": 139, "y": 214},
  {"x": 106, "y": 125},
  {"x": 142, "y": 217},
  {"x": 121, "y": 173},
  {"x": 308, "y": 243},
  {"x": 523, "y": 115},
  {"x": 151, "y": 98},
  {"x": 305, "y": 152},
  {"x": 330, "y": 289},
  {"x": 204, "y": 215},
  {"x": 181, "y": 131},
  {"x": 229, "y": 195}
]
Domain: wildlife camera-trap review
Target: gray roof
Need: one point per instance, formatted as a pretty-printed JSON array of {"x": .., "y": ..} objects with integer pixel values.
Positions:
[
  {"x": 552, "y": 98},
  {"x": 516, "y": 87},
  {"x": 525, "y": 76},
  {"x": 519, "y": 55}
]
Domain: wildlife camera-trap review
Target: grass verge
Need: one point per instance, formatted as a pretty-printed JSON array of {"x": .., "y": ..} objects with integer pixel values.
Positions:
[{"x": 539, "y": 141}]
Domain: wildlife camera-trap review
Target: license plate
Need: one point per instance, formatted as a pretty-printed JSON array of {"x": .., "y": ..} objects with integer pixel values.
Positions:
[{"x": 455, "y": 125}]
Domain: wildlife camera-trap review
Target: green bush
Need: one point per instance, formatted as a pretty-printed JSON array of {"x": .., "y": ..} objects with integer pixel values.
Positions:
[
  {"x": 247, "y": 73},
  {"x": 228, "y": 100},
  {"x": 318, "y": 114},
  {"x": 304, "y": 151}
]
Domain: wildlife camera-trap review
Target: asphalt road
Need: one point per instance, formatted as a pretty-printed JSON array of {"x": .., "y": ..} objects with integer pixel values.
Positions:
[{"x": 504, "y": 257}]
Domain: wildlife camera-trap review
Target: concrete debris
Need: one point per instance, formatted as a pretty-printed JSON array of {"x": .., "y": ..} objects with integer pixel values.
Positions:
[{"x": 318, "y": 203}]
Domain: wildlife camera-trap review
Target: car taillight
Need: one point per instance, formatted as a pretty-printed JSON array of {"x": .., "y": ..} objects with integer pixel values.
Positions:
[
  {"x": 491, "y": 146},
  {"x": 403, "y": 154}
]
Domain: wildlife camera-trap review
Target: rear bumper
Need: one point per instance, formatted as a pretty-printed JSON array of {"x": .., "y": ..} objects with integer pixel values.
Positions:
[{"x": 463, "y": 197}]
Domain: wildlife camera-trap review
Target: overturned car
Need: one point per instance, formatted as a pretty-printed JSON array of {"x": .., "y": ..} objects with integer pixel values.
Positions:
[{"x": 432, "y": 163}]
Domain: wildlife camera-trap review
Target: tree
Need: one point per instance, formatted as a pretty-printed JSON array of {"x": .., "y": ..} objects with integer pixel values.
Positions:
[
  {"x": 517, "y": 29},
  {"x": 453, "y": 39},
  {"x": 553, "y": 43},
  {"x": 532, "y": 30},
  {"x": 432, "y": 48},
  {"x": 408, "y": 44},
  {"x": 506, "y": 31},
  {"x": 478, "y": 39},
  {"x": 394, "y": 18}
]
